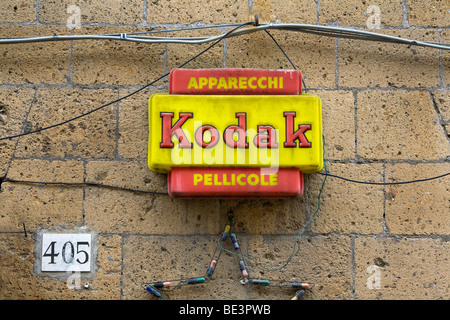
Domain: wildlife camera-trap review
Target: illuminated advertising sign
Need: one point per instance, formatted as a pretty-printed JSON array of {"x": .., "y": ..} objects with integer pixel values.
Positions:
[
  {"x": 237, "y": 131},
  {"x": 217, "y": 135}
]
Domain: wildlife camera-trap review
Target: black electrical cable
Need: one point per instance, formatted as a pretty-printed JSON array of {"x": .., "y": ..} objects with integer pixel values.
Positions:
[
  {"x": 83, "y": 114},
  {"x": 383, "y": 183},
  {"x": 128, "y": 95},
  {"x": 80, "y": 184},
  {"x": 287, "y": 57}
]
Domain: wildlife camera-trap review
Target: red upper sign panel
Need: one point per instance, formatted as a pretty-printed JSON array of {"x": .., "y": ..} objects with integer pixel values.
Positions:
[{"x": 235, "y": 81}]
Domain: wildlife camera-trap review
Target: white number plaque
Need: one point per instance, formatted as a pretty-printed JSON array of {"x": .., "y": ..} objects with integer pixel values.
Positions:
[{"x": 62, "y": 252}]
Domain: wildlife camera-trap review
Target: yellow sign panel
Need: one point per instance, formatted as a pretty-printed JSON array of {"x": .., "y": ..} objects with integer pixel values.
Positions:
[{"x": 235, "y": 131}]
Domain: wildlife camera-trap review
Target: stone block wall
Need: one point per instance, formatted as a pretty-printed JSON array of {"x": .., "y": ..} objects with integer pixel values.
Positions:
[{"x": 386, "y": 118}]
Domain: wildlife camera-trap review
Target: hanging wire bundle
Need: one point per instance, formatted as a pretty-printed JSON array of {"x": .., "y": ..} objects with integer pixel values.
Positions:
[
  {"x": 321, "y": 30},
  {"x": 156, "y": 288}
]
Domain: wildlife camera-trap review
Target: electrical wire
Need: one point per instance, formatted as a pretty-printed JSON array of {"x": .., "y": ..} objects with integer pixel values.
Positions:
[
  {"x": 321, "y": 30},
  {"x": 383, "y": 183},
  {"x": 81, "y": 184},
  {"x": 92, "y": 184},
  {"x": 181, "y": 29},
  {"x": 287, "y": 57},
  {"x": 343, "y": 178}
]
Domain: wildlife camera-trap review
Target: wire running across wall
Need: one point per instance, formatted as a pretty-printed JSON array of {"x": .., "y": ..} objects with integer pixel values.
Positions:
[{"x": 321, "y": 30}]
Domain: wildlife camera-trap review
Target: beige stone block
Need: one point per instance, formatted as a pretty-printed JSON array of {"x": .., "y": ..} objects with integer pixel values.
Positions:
[
  {"x": 107, "y": 281},
  {"x": 126, "y": 174},
  {"x": 313, "y": 55},
  {"x": 418, "y": 208},
  {"x": 39, "y": 205},
  {"x": 38, "y": 62},
  {"x": 347, "y": 207},
  {"x": 178, "y": 54},
  {"x": 14, "y": 105},
  {"x": 188, "y": 12},
  {"x": 91, "y": 11},
  {"x": 324, "y": 262},
  {"x": 359, "y": 12},
  {"x": 116, "y": 62},
  {"x": 149, "y": 259},
  {"x": 134, "y": 124},
  {"x": 338, "y": 123},
  {"x": 365, "y": 64},
  {"x": 290, "y": 11},
  {"x": 109, "y": 210},
  {"x": 401, "y": 269},
  {"x": 118, "y": 211},
  {"x": 15, "y": 11},
  {"x": 399, "y": 125},
  {"x": 92, "y": 136},
  {"x": 47, "y": 171},
  {"x": 441, "y": 99},
  {"x": 431, "y": 13},
  {"x": 17, "y": 252},
  {"x": 445, "y": 38},
  {"x": 266, "y": 216},
  {"x": 18, "y": 258}
]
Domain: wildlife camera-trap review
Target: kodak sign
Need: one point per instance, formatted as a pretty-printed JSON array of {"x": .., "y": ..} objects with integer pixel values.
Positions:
[
  {"x": 217, "y": 135},
  {"x": 236, "y": 131}
]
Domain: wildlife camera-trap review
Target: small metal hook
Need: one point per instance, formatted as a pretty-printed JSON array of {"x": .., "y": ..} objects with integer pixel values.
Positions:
[
  {"x": 24, "y": 229},
  {"x": 230, "y": 215},
  {"x": 256, "y": 20}
]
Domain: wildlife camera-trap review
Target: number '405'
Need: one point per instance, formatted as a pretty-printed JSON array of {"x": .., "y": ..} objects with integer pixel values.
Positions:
[{"x": 68, "y": 252}]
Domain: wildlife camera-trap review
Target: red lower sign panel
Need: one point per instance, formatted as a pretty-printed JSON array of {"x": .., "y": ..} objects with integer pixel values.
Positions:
[{"x": 234, "y": 183}]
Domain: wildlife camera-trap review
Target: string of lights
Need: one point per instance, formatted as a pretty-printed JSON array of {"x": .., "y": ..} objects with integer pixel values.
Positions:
[{"x": 157, "y": 287}]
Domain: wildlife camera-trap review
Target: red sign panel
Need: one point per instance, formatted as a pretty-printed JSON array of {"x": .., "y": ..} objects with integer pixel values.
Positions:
[
  {"x": 231, "y": 182},
  {"x": 235, "y": 81}
]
